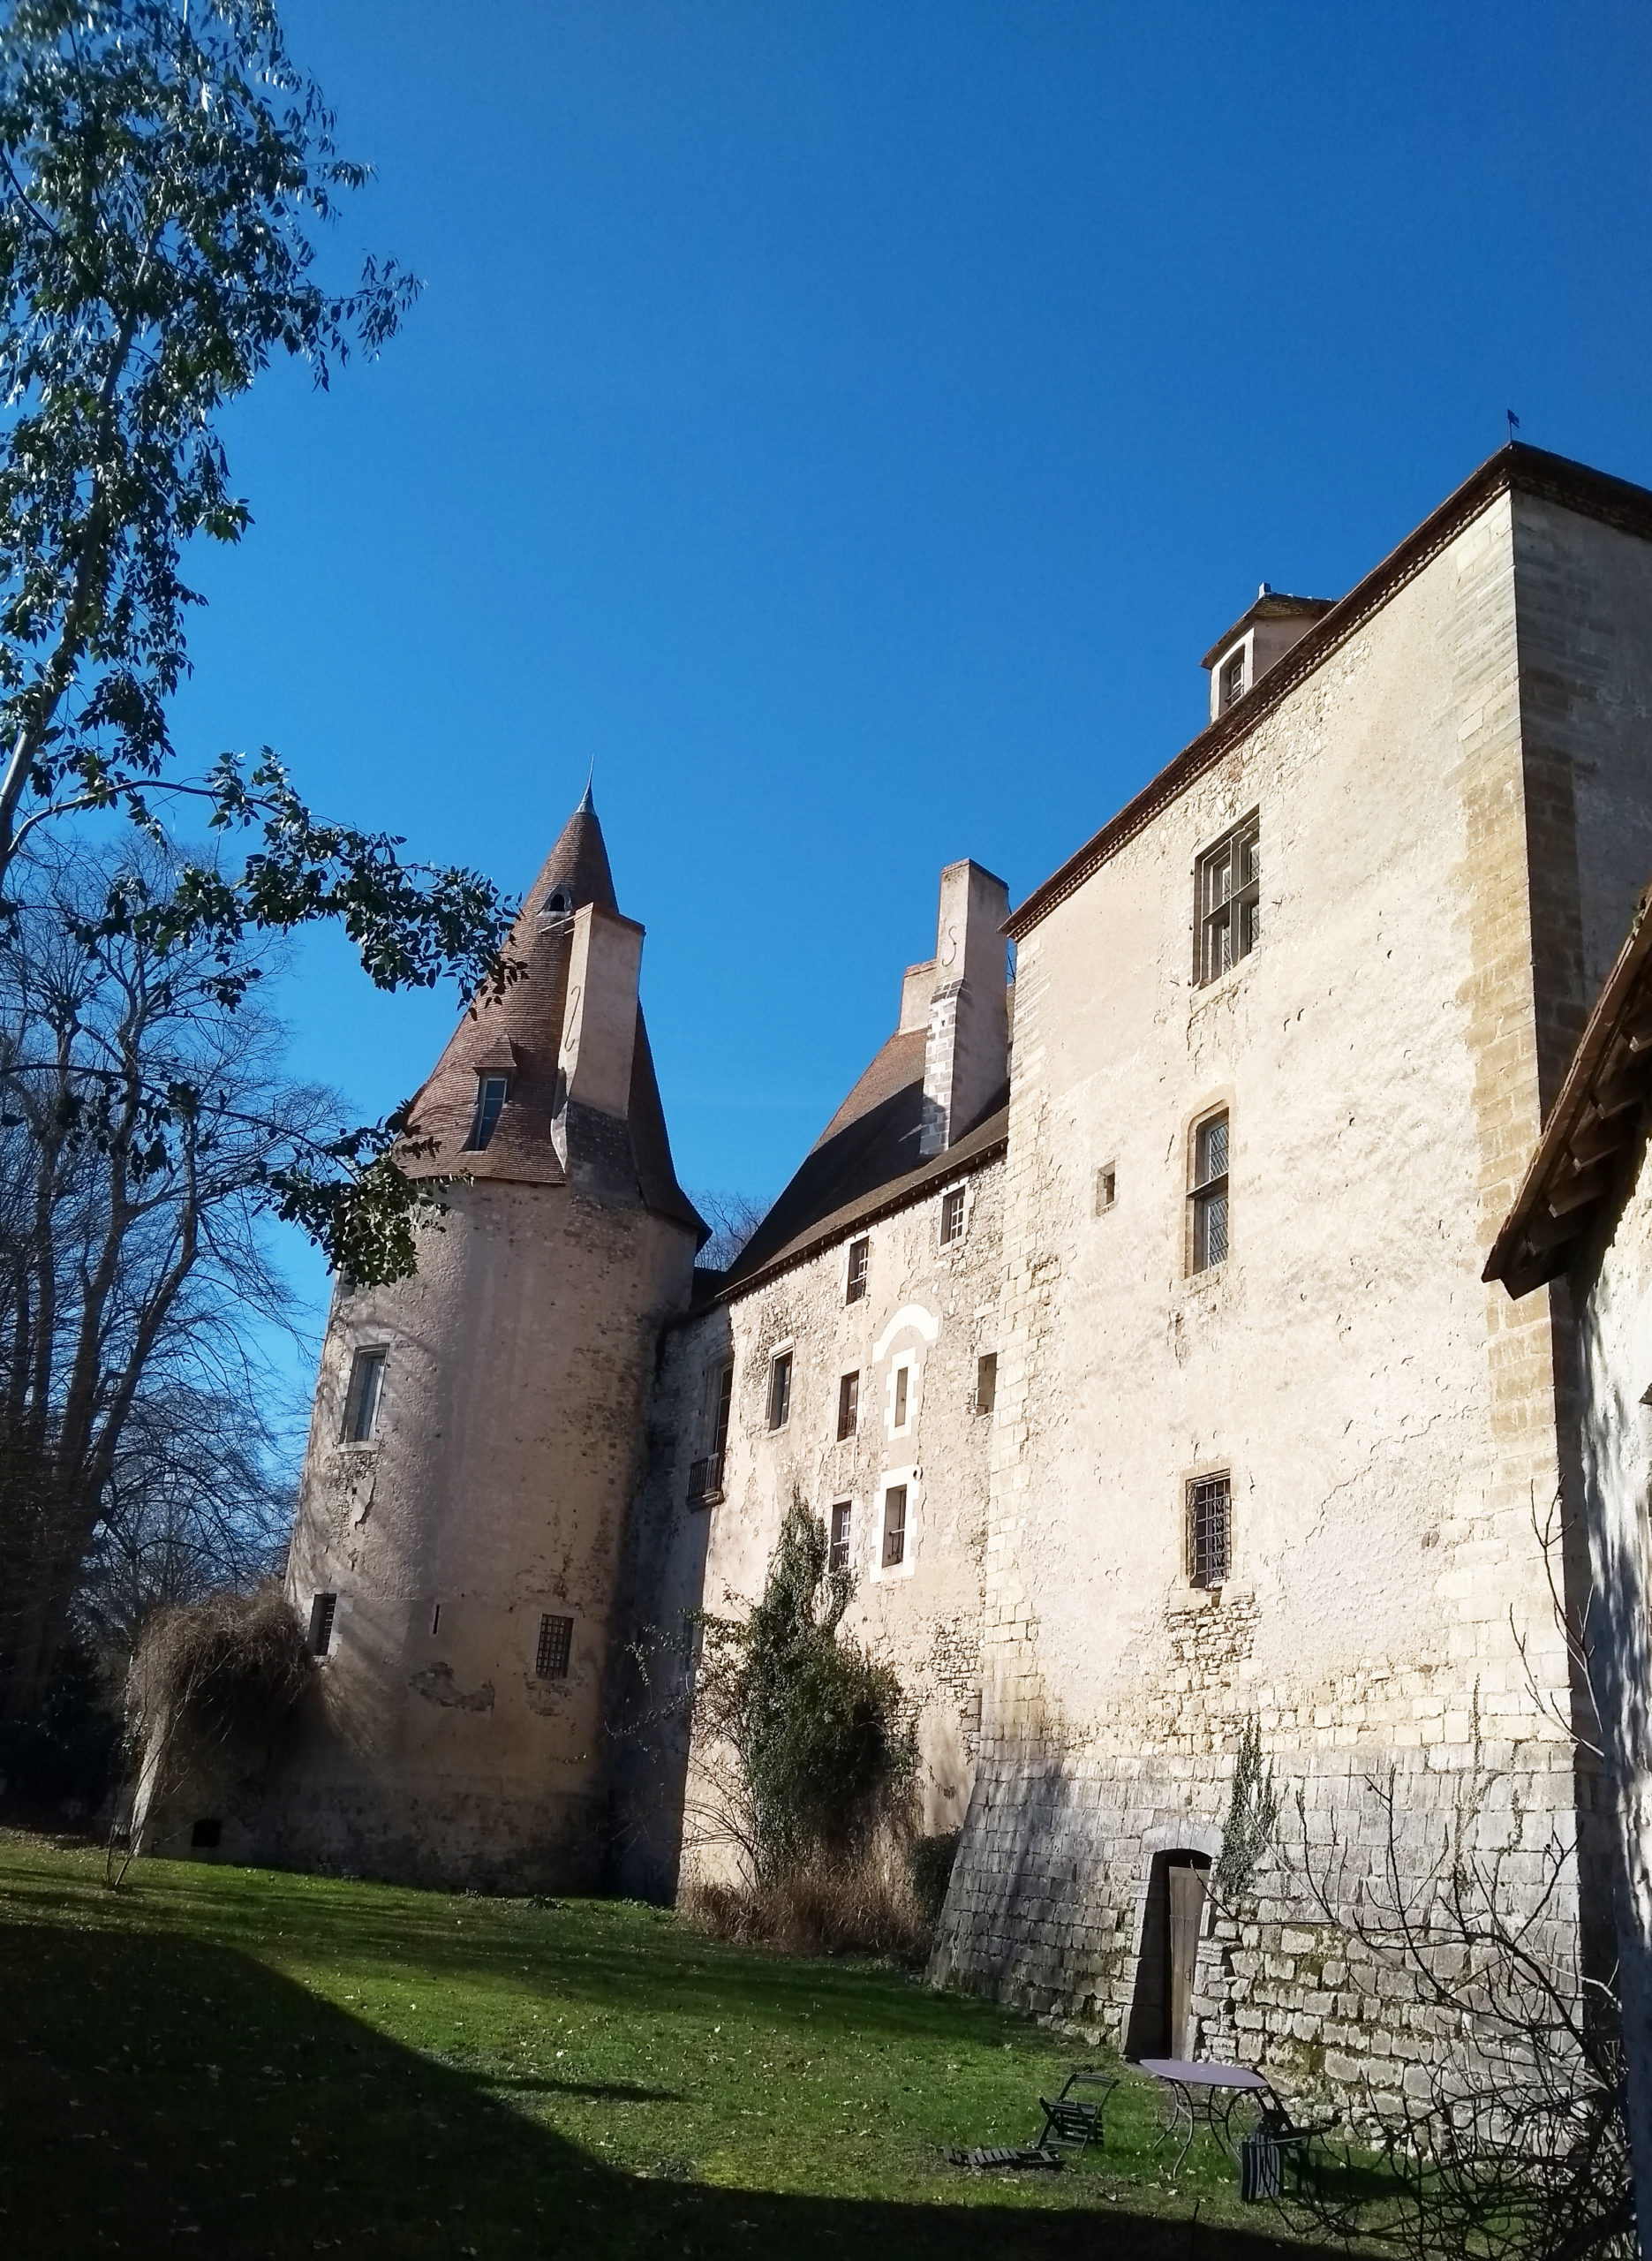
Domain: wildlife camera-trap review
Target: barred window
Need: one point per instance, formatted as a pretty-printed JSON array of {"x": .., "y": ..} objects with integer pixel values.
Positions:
[
  {"x": 361, "y": 1405},
  {"x": 491, "y": 1094},
  {"x": 556, "y": 1640},
  {"x": 841, "y": 1516},
  {"x": 952, "y": 1216},
  {"x": 847, "y": 1405},
  {"x": 1209, "y": 1535},
  {"x": 893, "y": 1525},
  {"x": 1209, "y": 1195},
  {"x": 859, "y": 1260},
  {"x": 323, "y": 1609},
  {"x": 1228, "y": 906},
  {"x": 780, "y": 1391}
]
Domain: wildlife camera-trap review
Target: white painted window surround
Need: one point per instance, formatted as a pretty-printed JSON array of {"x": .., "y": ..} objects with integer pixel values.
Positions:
[{"x": 894, "y": 1479}]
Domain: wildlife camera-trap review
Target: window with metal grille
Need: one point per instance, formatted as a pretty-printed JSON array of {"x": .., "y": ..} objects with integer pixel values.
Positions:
[
  {"x": 1232, "y": 680},
  {"x": 1209, "y": 1195},
  {"x": 556, "y": 1640},
  {"x": 986, "y": 1381},
  {"x": 952, "y": 1216},
  {"x": 1228, "y": 907},
  {"x": 1209, "y": 1530},
  {"x": 323, "y": 1609},
  {"x": 491, "y": 1094},
  {"x": 841, "y": 1515},
  {"x": 361, "y": 1403},
  {"x": 781, "y": 1390},
  {"x": 847, "y": 1405},
  {"x": 893, "y": 1525},
  {"x": 859, "y": 1258}
]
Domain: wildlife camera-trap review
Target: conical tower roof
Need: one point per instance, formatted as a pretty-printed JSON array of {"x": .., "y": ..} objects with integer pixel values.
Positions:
[{"x": 518, "y": 1033}]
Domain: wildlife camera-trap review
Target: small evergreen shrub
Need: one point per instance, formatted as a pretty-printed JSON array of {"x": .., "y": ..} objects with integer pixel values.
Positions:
[{"x": 929, "y": 1866}]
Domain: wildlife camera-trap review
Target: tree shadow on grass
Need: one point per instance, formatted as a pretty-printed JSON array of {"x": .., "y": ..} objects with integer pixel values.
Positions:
[{"x": 161, "y": 2096}]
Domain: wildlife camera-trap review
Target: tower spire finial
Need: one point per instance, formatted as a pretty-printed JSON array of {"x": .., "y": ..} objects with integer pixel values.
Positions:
[{"x": 587, "y": 806}]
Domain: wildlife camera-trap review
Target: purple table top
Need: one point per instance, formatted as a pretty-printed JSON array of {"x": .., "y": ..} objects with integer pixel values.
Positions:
[{"x": 1187, "y": 2074}]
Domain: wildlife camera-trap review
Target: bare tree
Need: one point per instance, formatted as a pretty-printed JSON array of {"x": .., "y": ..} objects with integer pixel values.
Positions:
[
  {"x": 733, "y": 1218},
  {"x": 143, "y": 1120}
]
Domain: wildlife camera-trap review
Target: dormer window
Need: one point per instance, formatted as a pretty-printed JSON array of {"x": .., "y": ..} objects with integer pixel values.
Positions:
[
  {"x": 1233, "y": 688},
  {"x": 558, "y": 904},
  {"x": 491, "y": 1094}
]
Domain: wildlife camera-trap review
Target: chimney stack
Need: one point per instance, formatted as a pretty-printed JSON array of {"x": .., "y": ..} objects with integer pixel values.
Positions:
[
  {"x": 966, "y": 1055},
  {"x": 594, "y": 1065}
]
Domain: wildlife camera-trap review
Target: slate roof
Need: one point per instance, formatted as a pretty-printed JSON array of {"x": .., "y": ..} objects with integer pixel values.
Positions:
[
  {"x": 520, "y": 1033},
  {"x": 865, "y": 1163}
]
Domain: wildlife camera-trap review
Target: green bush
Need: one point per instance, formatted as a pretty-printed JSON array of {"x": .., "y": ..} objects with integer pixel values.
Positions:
[{"x": 929, "y": 1864}]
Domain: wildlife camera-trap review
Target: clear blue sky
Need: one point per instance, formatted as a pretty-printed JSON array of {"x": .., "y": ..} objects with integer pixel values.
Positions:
[{"x": 848, "y": 426}]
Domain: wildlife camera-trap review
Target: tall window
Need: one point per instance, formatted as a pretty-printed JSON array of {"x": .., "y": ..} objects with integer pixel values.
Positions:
[
  {"x": 841, "y": 1516},
  {"x": 555, "y": 1644},
  {"x": 986, "y": 1381},
  {"x": 893, "y": 1525},
  {"x": 952, "y": 1216},
  {"x": 859, "y": 1257},
  {"x": 1210, "y": 1511},
  {"x": 902, "y": 1393},
  {"x": 323, "y": 1609},
  {"x": 490, "y": 1098},
  {"x": 706, "y": 1474},
  {"x": 1209, "y": 1195},
  {"x": 1229, "y": 885},
  {"x": 847, "y": 1405},
  {"x": 780, "y": 1391},
  {"x": 361, "y": 1405}
]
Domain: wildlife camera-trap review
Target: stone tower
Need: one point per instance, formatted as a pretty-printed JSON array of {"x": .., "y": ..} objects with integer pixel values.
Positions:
[{"x": 477, "y": 1433}]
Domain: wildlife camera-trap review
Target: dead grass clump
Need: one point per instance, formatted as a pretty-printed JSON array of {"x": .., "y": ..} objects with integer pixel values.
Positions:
[
  {"x": 862, "y": 1905},
  {"x": 232, "y": 1661}
]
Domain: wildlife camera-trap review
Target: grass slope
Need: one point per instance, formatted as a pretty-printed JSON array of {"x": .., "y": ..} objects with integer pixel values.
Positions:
[{"x": 219, "y": 2060}]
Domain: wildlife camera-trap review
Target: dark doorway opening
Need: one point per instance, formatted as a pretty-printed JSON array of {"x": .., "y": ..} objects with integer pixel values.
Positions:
[{"x": 1161, "y": 2010}]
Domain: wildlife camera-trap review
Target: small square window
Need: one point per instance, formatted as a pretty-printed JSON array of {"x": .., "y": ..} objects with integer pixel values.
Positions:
[
  {"x": 1210, "y": 1502},
  {"x": 1209, "y": 1192},
  {"x": 556, "y": 1641},
  {"x": 986, "y": 1381},
  {"x": 847, "y": 1405},
  {"x": 206, "y": 1835},
  {"x": 842, "y": 1515},
  {"x": 323, "y": 1609},
  {"x": 1106, "y": 1187},
  {"x": 952, "y": 1216},
  {"x": 361, "y": 1403},
  {"x": 491, "y": 1094},
  {"x": 894, "y": 1526},
  {"x": 859, "y": 1259},
  {"x": 781, "y": 1390},
  {"x": 1227, "y": 910}
]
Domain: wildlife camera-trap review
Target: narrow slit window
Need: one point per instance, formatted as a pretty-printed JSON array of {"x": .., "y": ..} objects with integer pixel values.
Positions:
[
  {"x": 556, "y": 1641},
  {"x": 361, "y": 1403},
  {"x": 781, "y": 1390},
  {"x": 986, "y": 1382},
  {"x": 859, "y": 1260},
  {"x": 902, "y": 1388},
  {"x": 952, "y": 1216},
  {"x": 1228, "y": 909},
  {"x": 842, "y": 1515},
  {"x": 436, "y": 1619},
  {"x": 323, "y": 1609},
  {"x": 894, "y": 1526},
  {"x": 1209, "y": 1192},
  {"x": 847, "y": 1405},
  {"x": 1210, "y": 1508},
  {"x": 1106, "y": 1188},
  {"x": 491, "y": 1094}
]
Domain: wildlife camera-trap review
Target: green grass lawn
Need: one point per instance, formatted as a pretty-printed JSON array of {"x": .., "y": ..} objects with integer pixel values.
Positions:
[{"x": 220, "y": 2060}]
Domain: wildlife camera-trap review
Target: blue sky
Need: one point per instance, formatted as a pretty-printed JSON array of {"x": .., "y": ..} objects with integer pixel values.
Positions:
[{"x": 847, "y": 426}]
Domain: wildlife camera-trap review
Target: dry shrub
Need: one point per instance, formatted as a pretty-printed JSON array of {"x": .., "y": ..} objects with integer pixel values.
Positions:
[
  {"x": 862, "y": 1905},
  {"x": 233, "y": 1661}
]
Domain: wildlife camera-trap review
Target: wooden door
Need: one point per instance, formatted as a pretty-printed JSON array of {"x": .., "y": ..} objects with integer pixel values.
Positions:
[{"x": 1186, "y": 1907}]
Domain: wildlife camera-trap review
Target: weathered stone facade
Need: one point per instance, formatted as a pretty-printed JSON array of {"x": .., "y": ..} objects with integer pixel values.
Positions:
[{"x": 1158, "y": 1337}]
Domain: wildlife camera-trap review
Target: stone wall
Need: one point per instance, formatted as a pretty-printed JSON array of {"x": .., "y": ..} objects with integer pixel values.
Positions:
[{"x": 1387, "y": 1422}]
